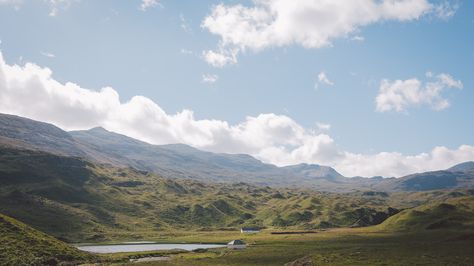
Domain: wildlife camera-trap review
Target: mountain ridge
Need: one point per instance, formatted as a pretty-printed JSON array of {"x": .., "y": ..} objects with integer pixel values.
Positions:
[
  {"x": 183, "y": 161},
  {"x": 171, "y": 160}
]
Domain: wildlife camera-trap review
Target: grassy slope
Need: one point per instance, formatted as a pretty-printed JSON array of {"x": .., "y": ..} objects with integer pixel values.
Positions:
[
  {"x": 403, "y": 239},
  {"x": 75, "y": 200},
  {"x": 355, "y": 246},
  {"x": 23, "y": 245},
  {"x": 78, "y": 201},
  {"x": 455, "y": 213}
]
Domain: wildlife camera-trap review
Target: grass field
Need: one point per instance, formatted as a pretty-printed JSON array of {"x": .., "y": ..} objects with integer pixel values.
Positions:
[
  {"x": 23, "y": 245},
  {"x": 77, "y": 201},
  {"x": 440, "y": 233},
  {"x": 361, "y": 246}
]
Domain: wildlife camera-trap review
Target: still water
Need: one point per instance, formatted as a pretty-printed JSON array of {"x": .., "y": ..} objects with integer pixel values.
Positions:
[{"x": 143, "y": 247}]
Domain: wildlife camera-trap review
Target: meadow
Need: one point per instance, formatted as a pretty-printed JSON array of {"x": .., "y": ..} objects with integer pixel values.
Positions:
[{"x": 350, "y": 246}]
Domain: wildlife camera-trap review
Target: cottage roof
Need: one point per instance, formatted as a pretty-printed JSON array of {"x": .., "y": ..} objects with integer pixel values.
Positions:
[{"x": 236, "y": 242}]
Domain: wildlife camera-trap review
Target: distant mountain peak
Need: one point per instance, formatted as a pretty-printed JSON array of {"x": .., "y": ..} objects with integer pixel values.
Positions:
[
  {"x": 24, "y": 132},
  {"x": 304, "y": 166},
  {"x": 466, "y": 166},
  {"x": 98, "y": 129}
]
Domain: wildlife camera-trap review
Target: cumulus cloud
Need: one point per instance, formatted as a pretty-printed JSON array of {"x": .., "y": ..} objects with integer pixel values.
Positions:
[
  {"x": 309, "y": 23},
  {"x": 396, "y": 164},
  {"x": 399, "y": 95},
  {"x": 31, "y": 91},
  {"x": 147, "y": 4},
  {"x": 210, "y": 78}
]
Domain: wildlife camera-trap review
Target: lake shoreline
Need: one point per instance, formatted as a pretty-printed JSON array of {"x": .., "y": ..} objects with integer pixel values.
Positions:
[{"x": 141, "y": 247}]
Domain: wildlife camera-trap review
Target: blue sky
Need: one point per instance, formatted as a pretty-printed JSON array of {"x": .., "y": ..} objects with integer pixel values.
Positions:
[{"x": 159, "y": 53}]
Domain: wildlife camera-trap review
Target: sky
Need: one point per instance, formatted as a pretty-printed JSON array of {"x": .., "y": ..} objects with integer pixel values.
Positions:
[{"x": 369, "y": 87}]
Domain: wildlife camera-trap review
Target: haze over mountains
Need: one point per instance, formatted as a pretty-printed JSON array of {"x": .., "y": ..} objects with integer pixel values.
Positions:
[{"x": 182, "y": 161}]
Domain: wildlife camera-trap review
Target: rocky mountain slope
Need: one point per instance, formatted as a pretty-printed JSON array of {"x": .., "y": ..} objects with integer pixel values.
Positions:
[
  {"x": 458, "y": 176},
  {"x": 100, "y": 146},
  {"x": 177, "y": 160}
]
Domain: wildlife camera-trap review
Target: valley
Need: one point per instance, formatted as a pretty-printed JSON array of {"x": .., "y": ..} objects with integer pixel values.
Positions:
[
  {"x": 100, "y": 187},
  {"x": 236, "y": 133}
]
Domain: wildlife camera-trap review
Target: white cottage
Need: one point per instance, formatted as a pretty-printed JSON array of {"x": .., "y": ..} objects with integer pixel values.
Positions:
[{"x": 236, "y": 244}]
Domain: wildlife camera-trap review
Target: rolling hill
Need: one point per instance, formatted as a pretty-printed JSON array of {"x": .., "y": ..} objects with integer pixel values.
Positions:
[
  {"x": 23, "y": 245},
  {"x": 450, "y": 214},
  {"x": 76, "y": 200}
]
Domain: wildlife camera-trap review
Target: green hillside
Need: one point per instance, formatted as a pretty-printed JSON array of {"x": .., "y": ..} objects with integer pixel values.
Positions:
[
  {"x": 75, "y": 200},
  {"x": 452, "y": 214},
  {"x": 78, "y": 201},
  {"x": 23, "y": 245}
]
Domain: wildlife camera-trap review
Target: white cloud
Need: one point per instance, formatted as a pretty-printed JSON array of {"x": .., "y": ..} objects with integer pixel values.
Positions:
[
  {"x": 398, "y": 95},
  {"x": 397, "y": 164},
  {"x": 146, "y": 4},
  {"x": 309, "y": 23},
  {"x": 322, "y": 78},
  {"x": 220, "y": 58},
  {"x": 50, "y": 55},
  {"x": 31, "y": 91},
  {"x": 446, "y": 9},
  {"x": 210, "y": 78}
]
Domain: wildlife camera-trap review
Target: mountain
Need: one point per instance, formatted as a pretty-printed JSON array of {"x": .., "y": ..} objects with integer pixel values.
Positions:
[
  {"x": 30, "y": 134},
  {"x": 462, "y": 167},
  {"x": 100, "y": 146},
  {"x": 313, "y": 171},
  {"x": 23, "y": 245},
  {"x": 433, "y": 180},
  {"x": 179, "y": 160},
  {"x": 76, "y": 200},
  {"x": 176, "y": 160}
]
